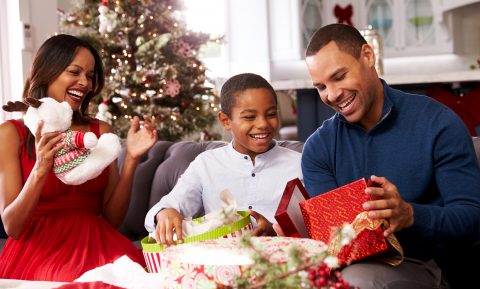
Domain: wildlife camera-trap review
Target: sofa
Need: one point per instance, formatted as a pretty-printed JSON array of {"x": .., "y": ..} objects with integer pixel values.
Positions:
[{"x": 157, "y": 174}]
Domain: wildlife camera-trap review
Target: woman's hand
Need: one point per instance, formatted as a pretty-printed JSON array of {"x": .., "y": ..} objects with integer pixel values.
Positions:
[
  {"x": 168, "y": 222},
  {"x": 264, "y": 227},
  {"x": 46, "y": 147},
  {"x": 141, "y": 137}
]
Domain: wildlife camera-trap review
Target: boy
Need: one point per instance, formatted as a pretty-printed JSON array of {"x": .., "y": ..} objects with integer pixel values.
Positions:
[{"x": 252, "y": 167}]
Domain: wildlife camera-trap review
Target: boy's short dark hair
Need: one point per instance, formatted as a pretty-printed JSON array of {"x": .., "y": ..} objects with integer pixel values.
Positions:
[
  {"x": 239, "y": 83},
  {"x": 347, "y": 38}
]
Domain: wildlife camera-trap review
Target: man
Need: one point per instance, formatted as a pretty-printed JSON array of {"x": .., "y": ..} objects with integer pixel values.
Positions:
[{"x": 417, "y": 150}]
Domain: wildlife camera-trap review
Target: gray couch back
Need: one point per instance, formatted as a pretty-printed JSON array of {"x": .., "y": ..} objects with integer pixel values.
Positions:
[{"x": 158, "y": 173}]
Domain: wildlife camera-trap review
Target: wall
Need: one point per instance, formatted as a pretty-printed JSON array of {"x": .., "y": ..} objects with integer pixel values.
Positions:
[
  {"x": 25, "y": 24},
  {"x": 262, "y": 38},
  {"x": 464, "y": 26},
  {"x": 247, "y": 37},
  {"x": 42, "y": 18},
  {"x": 11, "y": 75}
]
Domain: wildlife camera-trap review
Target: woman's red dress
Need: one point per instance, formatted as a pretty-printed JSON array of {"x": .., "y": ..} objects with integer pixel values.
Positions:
[{"x": 67, "y": 235}]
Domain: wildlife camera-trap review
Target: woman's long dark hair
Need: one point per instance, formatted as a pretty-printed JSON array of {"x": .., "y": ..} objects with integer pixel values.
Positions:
[{"x": 51, "y": 59}]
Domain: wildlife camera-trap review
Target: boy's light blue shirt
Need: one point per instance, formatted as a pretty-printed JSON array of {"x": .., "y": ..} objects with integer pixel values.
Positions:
[{"x": 256, "y": 187}]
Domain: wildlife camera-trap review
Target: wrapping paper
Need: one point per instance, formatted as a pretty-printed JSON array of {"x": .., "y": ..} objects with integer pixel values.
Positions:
[
  {"x": 202, "y": 264},
  {"x": 213, "y": 220},
  {"x": 114, "y": 274},
  {"x": 333, "y": 209},
  {"x": 369, "y": 242},
  {"x": 151, "y": 250}
]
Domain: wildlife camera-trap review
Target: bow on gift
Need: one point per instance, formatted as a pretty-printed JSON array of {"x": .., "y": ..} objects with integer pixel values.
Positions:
[{"x": 368, "y": 241}]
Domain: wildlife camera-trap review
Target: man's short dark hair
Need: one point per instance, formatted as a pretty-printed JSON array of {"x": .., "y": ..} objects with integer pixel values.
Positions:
[{"x": 347, "y": 38}]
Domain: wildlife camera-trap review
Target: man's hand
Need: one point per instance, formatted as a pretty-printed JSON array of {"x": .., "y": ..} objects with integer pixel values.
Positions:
[
  {"x": 264, "y": 227},
  {"x": 168, "y": 221},
  {"x": 388, "y": 204}
]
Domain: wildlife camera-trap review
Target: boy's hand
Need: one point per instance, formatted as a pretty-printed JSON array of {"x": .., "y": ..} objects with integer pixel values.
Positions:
[
  {"x": 264, "y": 227},
  {"x": 278, "y": 230},
  {"x": 168, "y": 221}
]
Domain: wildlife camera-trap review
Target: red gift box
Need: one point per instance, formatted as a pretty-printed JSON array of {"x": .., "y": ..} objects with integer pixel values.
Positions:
[
  {"x": 288, "y": 214},
  {"x": 369, "y": 241},
  {"x": 333, "y": 209}
]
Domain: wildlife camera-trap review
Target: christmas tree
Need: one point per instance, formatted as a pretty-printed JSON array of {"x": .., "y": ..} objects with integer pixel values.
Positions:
[{"x": 151, "y": 64}]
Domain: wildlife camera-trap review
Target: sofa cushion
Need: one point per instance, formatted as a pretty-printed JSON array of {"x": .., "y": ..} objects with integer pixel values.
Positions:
[{"x": 142, "y": 183}]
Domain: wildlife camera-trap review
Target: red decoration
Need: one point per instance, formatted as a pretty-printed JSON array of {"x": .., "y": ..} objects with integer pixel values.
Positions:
[
  {"x": 344, "y": 205},
  {"x": 333, "y": 209},
  {"x": 344, "y": 15},
  {"x": 321, "y": 214},
  {"x": 465, "y": 105},
  {"x": 288, "y": 213},
  {"x": 369, "y": 241}
]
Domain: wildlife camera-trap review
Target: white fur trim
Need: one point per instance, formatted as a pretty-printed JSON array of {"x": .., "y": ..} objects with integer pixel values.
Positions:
[
  {"x": 90, "y": 140},
  {"x": 107, "y": 150}
]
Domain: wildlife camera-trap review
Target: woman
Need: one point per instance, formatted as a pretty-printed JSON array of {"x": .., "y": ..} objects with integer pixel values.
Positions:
[{"x": 57, "y": 231}]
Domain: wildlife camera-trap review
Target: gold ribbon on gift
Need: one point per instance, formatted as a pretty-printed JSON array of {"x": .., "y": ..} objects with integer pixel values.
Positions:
[{"x": 363, "y": 222}]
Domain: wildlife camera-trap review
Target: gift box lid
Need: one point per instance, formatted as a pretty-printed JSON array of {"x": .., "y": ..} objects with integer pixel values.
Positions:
[
  {"x": 230, "y": 251},
  {"x": 334, "y": 208},
  {"x": 209, "y": 263},
  {"x": 288, "y": 214},
  {"x": 244, "y": 224}
]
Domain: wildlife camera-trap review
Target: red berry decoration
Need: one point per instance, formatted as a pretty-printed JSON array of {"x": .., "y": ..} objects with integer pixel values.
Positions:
[{"x": 323, "y": 277}]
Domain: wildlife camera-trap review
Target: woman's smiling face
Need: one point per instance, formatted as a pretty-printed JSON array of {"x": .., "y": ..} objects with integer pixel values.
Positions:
[{"x": 75, "y": 82}]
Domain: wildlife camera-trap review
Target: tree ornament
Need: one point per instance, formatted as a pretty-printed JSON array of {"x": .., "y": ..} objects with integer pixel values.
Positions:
[
  {"x": 172, "y": 87},
  {"x": 103, "y": 113},
  {"x": 107, "y": 19},
  {"x": 183, "y": 49}
]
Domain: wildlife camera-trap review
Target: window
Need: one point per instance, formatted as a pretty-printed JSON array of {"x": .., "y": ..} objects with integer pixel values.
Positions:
[
  {"x": 209, "y": 16},
  {"x": 11, "y": 77}
]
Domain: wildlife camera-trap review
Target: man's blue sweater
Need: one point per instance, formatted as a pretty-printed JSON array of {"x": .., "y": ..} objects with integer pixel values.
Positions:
[{"x": 424, "y": 149}]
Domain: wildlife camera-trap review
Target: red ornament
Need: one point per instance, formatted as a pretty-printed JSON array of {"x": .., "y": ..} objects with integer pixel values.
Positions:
[{"x": 344, "y": 15}]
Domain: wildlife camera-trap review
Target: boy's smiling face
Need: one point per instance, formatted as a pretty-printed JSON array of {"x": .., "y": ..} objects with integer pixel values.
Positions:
[{"x": 254, "y": 121}]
